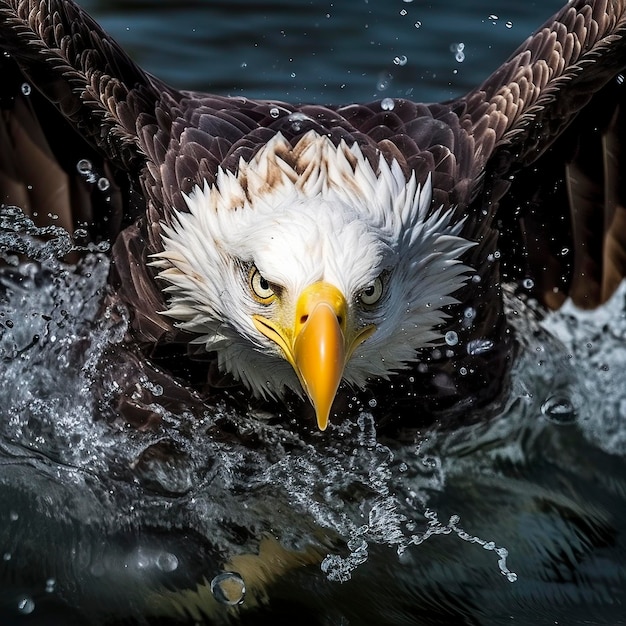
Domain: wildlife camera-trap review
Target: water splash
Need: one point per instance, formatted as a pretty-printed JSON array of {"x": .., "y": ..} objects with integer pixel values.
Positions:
[
  {"x": 20, "y": 236},
  {"x": 231, "y": 476}
]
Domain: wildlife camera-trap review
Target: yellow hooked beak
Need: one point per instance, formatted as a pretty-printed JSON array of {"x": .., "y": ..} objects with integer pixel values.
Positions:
[{"x": 318, "y": 344}]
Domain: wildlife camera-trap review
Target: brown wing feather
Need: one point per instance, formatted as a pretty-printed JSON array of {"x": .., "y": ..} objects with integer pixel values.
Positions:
[
  {"x": 556, "y": 129},
  {"x": 80, "y": 69}
]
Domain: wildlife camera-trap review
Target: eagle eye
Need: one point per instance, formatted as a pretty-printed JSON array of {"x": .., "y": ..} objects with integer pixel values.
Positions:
[
  {"x": 260, "y": 287},
  {"x": 372, "y": 293}
]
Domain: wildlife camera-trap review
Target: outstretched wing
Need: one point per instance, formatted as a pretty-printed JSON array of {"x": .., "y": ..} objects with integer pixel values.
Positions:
[
  {"x": 549, "y": 125},
  {"x": 73, "y": 106},
  {"x": 532, "y": 154},
  {"x": 553, "y": 109},
  {"x": 71, "y": 103},
  {"x": 82, "y": 72}
]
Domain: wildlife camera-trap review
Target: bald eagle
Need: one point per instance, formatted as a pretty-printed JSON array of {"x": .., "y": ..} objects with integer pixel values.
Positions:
[{"x": 304, "y": 250}]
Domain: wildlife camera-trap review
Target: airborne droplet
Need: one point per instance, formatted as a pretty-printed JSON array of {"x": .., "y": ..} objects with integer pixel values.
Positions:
[
  {"x": 559, "y": 410},
  {"x": 387, "y": 104},
  {"x": 479, "y": 346},
  {"x": 167, "y": 562},
  {"x": 25, "y": 605},
  {"x": 84, "y": 167},
  {"x": 228, "y": 588},
  {"x": 451, "y": 338},
  {"x": 458, "y": 50}
]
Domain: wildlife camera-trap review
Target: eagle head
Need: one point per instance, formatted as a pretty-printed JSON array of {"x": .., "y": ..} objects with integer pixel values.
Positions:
[{"x": 310, "y": 265}]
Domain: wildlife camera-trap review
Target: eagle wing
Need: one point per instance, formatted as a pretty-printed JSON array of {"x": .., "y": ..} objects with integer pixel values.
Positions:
[
  {"x": 548, "y": 128},
  {"x": 554, "y": 106}
]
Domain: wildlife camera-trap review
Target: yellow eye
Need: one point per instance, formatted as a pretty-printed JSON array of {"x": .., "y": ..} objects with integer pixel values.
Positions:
[
  {"x": 261, "y": 289},
  {"x": 372, "y": 293}
]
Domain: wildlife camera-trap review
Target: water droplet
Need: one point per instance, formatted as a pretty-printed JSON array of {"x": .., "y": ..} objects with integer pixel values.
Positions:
[
  {"x": 620, "y": 79},
  {"x": 493, "y": 17},
  {"x": 14, "y": 516},
  {"x": 6, "y": 556},
  {"x": 559, "y": 410},
  {"x": 403, "y": 12},
  {"x": 167, "y": 562},
  {"x": 297, "y": 121},
  {"x": 373, "y": 403},
  {"x": 228, "y": 588},
  {"x": 84, "y": 167},
  {"x": 383, "y": 82},
  {"x": 418, "y": 24},
  {"x": 528, "y": 283},
  {"x": 25, "y": 605},
  {"x": 274, "y": 112},
  {"x": 357, "y": 544},
  {"x": 564, "y": 251},
  {"x": 26, "y": 89},
  {"x": 50, "y": 584},
  {"x": 479, "y": 346},
  {"x": 463, "y": 371},
  {"x": 293, "y": 74},
  {"x": 387, "y": 104},
  {"x": 458, "y": 50},
  {"x": 104, "y": 184},
  {"x": 469, "y": 313},
  {"x": 509, "y": 24},
  {"x": 400, "y": 60},
  {"x": 451, "y": 338},
  {"x": 430, "y": 462}
]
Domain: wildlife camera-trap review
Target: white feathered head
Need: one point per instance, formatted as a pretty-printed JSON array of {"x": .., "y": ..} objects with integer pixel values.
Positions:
[{"x": 309, "y": 266}]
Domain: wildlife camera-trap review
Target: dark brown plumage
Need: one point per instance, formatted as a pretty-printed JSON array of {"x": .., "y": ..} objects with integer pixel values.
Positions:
[{"x": 531, "y": 159}]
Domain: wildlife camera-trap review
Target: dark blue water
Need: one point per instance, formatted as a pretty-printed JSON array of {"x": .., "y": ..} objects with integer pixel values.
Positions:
[
  {"x": 328, "y": 52},
  {"x": 518, "y": 520}
]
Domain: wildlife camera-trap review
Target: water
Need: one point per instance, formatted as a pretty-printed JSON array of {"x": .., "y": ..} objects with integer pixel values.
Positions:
[{"x": 214, "y": 516}]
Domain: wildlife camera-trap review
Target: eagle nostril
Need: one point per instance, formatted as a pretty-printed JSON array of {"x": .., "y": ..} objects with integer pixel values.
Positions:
[{"x": 303, "y": 319}]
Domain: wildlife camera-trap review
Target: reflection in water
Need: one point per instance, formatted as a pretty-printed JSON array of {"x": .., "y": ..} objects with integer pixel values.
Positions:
[{"x": 214, "y": 513}]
